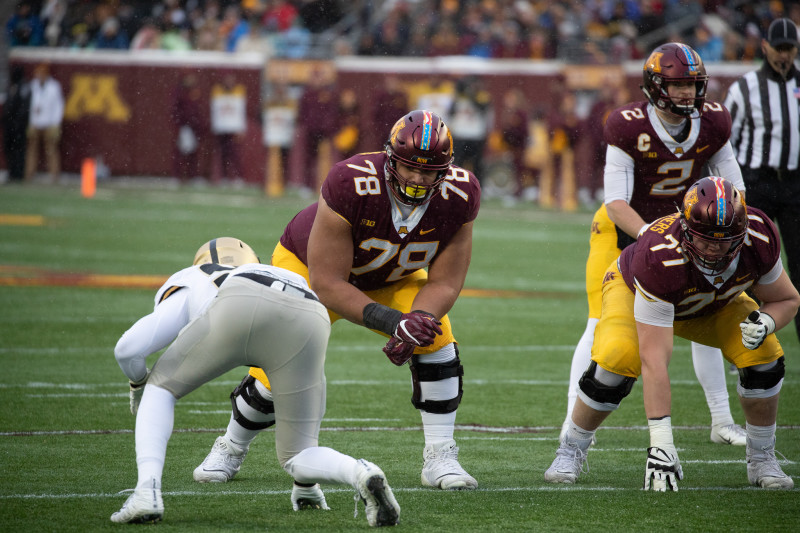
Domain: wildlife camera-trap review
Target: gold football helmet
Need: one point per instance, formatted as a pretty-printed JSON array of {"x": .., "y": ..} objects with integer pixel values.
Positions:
[{"x": 225, "y": 251}]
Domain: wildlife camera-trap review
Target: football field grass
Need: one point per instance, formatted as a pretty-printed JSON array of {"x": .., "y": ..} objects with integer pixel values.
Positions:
[{"x": 75, "y": 273}]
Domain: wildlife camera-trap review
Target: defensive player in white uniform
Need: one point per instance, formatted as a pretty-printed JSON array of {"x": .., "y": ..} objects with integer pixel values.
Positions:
[
  {"x": 226, "y": 311},
  {"x": 657, "y": 149}
]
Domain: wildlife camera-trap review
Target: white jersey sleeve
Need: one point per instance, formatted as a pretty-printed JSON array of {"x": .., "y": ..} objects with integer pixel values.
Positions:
[
  {"x": 724, "y": 164},
  {"x": 183, "y": 297},
  {"x": 617, "y": 176}
]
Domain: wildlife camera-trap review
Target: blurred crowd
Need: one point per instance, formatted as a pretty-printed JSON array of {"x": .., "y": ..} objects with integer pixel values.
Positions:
[{"x": 581, "y": 31}]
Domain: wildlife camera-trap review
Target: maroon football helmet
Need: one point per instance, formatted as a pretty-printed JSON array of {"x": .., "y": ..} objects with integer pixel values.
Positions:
[
  {"x": 673, "y": 62},
  {"x": 714, "y": 211},
  {"x": 419, "y": 140}
]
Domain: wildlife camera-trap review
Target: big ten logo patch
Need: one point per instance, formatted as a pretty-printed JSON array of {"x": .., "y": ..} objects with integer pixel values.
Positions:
[{"x": 96, "y": 95}]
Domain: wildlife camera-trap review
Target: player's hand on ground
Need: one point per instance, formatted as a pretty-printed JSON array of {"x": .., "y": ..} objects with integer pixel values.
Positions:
[
  {"x": 306, "y": 498},
  {"x": 663, "y": 470},
  {"x": 136, "y": 391}
]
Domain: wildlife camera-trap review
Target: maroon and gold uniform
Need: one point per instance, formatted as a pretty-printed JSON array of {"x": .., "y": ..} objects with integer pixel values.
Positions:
[
  {"x": 662, "y": 170},
  {"x": 653, "y": 277},
  {"x": 392, "y": 249}
]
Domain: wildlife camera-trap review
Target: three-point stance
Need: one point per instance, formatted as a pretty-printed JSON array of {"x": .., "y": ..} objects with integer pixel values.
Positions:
[
  {"x": 382, "y": 219},
  {"x": 686, "y": 275},
  {"x": 223, "y": 312}
]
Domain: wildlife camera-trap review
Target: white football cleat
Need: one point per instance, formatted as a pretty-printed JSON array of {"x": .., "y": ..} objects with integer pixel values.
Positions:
[
  {"x": 442, "y": 470},
  {"x": 731, "y": 434},
  {"x": 304, "y": 498},
  {"x": 568, "y": 464},
  {"x": 763, "y": 469},
  {"x": 372, "y": 488},
  {"x": 144, "y": 505},
  {"x": 221, "y": 464}
]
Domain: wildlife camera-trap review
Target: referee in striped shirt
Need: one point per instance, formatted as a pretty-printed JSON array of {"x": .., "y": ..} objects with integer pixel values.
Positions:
[{"x": 765, "y": 109}]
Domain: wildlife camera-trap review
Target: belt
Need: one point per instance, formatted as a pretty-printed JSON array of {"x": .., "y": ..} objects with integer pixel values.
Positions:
[{"x": 277, "y": 284}]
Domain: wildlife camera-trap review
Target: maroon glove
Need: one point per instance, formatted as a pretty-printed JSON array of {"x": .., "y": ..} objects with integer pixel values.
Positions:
[
  {"x": 398, "y": 352},
  {"x": 418, "y": 328}
]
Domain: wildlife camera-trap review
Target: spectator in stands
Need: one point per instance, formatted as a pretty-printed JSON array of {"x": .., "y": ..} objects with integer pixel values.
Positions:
[
  {"x": 708, "y": 45},
  {"x": 111, "y": 36},
  {"x": 24, "y": 28}
]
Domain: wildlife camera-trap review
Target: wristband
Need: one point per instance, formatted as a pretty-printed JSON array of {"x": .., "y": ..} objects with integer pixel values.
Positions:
[
  {"x": 661, "y": 433},
  {"x": 768, "y": 322},
  {"x": 381, "y": 318}
]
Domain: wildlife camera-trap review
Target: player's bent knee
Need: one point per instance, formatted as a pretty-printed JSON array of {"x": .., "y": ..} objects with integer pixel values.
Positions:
[
  {"x": 761, "y": 381},
  {"x": 432, "y": 373},
  {"x": 251, "y": 409},
  {"x": 603, "y": 390}
]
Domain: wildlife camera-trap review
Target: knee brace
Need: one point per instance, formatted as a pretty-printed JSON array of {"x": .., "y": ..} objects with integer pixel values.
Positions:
[
  {"x": 246, "y": 397},
  {"x": 761, "y": 381},
  {"x": 436, "y": 372},
  {"x": 603, "y": 395}
]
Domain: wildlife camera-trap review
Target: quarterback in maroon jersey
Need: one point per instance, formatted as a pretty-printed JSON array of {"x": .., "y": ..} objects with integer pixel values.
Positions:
[
  {"x": 387, "y": 246},
  {"x": 686, "y": 275},
  {"x": 657, "y": 149}
]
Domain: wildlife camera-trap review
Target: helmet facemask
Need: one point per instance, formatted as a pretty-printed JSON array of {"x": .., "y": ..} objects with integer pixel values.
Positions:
[
  {"x": 421, "y": 141},
  {"x": 674, "y": 63}
]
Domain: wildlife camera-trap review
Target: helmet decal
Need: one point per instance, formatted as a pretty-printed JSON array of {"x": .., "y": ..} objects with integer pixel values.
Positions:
[
  {"x": 721, "y": 203},
  {"x": 691, "y": 59},
  {"x": 427, "y": 127}
]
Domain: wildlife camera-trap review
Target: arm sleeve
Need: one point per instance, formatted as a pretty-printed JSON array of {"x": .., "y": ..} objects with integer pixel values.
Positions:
[
  {"x": 652, "y": 311},
  {"x": 150, "y": 334},
  {"x": 618, "y": 176},
  {"x": 773, "y": 275},
  {"x": 724, "y": 164}
]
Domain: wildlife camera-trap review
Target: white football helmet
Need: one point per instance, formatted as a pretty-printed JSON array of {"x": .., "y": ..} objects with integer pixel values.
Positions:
[{"x": 225, "y": 251}]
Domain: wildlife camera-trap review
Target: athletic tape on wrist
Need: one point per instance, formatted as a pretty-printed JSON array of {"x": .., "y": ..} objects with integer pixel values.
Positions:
[{"x": 381, "y": 318}]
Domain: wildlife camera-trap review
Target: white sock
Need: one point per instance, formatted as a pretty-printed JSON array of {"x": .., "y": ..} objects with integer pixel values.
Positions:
[
  {"x": 760, "y": 436},
  {"x": 154, "y": 422},
  {"x": 579, "y": 436},
  {"x": 581, "y": 358},
  {"x": 319, "y": 464},
  {"x": 710, "y": 371}
]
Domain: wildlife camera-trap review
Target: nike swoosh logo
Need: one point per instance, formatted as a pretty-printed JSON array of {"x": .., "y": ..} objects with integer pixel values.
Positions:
[
  {"x": 426, "y": 231},
  {"x": 741, "y": 278},
  {"x": 701, "y": 149}
]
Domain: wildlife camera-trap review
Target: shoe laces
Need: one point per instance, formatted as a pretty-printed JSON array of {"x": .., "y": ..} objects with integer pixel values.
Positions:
[{"x": 573, "y": 458}]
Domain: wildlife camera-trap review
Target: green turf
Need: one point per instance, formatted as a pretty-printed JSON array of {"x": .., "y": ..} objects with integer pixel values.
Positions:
[{"x": 66, "y": 435}]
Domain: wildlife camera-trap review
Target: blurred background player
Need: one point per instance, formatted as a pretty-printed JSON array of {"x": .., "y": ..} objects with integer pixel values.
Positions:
[
  {"x": 224, "y": 311},
  {"x": 686, "y": 275},
  {"x": 656, "y": 150},
  {"x": 382, "y": 219}
]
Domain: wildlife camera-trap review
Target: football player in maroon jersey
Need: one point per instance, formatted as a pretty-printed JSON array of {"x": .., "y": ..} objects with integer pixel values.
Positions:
[
  {"x": 686, "y": 275},
  {"x": 382, "y": 219},
  {"x": 657, "y": 148}
]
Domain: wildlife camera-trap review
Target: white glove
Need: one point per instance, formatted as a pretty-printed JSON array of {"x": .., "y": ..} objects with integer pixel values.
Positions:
[
  {"x": 755, "y": 329},
  {"x": 136, "y": 391},
  {"x": 308, "y": 498},
  {"x": 663, "y": 468}
]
